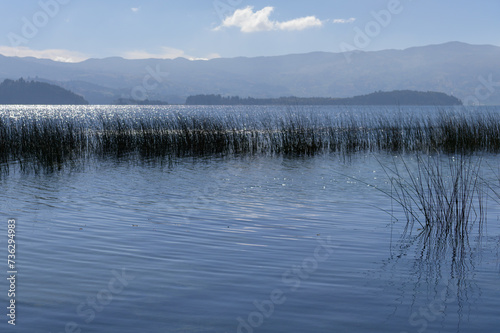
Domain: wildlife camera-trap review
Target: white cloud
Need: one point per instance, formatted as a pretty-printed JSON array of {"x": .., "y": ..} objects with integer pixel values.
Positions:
[
  {"x": 249, "y": 21},
  {"x": 342, "y": 21},
  {"x": 53, "y": 54},
  {"x": 135, "y": 9},
  {"x": 300, "y": 23},
  {"x": 166, "y": 53}
]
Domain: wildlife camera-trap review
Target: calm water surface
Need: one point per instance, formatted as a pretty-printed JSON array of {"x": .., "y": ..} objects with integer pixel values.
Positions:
[{"x": 236, "y": 244}]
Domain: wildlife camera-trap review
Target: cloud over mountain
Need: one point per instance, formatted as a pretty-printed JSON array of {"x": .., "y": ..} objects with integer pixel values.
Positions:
[
  {"x": 53, "y": 54},
  {"x": 165, "y": 53}
]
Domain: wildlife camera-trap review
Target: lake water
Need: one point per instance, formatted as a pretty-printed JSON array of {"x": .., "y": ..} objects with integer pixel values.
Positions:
[{"x": 237, "y": 244}]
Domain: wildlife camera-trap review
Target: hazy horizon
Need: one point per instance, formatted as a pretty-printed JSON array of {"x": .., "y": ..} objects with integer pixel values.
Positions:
[
  {"x": 70, "y": 31},
  {"x": 261, "y": 56}
]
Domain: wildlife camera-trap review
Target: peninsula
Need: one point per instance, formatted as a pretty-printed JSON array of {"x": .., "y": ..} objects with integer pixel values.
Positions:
[
  {"x": 397, "y": 97},
  {"x": 37, "y": 93}
]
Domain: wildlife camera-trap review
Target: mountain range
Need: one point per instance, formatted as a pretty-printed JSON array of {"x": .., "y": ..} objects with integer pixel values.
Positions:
[{"x": 468, "y": 72}]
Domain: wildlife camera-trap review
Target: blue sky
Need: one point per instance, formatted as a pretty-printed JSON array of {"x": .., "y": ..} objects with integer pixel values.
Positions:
[{"x": 74, "y": 30}]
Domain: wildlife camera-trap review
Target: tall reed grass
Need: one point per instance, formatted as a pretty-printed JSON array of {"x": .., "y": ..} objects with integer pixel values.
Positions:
[
  {"x": 443, "y": 199},
  {"x": 55, "y": 139},
  {"x": 438, "y": 192}
]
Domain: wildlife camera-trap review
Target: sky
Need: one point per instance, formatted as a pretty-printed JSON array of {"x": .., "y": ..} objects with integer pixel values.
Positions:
[{"x": 75, "y": 30}]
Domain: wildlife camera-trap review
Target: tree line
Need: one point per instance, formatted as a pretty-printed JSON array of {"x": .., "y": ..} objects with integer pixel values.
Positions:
[{"x": 397, "y": 97}]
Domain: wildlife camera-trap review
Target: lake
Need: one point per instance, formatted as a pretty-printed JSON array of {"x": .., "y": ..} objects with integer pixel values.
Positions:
[{"x": 246, "y": 242}]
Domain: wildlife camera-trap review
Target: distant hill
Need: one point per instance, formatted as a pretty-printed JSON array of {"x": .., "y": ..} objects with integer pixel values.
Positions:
[
  {"x": 469, "y": 72},
  {"x": 32, "y": 92},
  {"x": 397, "y": 97}
]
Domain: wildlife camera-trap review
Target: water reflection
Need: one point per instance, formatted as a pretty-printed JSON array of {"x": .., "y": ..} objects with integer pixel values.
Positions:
[
  {"x": 441, "y": 291},
  {"x": 207, "y": 237}
]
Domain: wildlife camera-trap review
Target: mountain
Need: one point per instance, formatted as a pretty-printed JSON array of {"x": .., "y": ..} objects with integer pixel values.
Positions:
[
  {"x": 31, "y": 92},
  {"x": 468, "y": 72}
]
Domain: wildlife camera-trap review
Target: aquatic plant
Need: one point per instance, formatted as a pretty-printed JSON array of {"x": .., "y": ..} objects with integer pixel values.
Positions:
[
  {"x": 443, "y": 198},
  {"x": 439, "y": 192},
  {"x": 52, "y": 139}
]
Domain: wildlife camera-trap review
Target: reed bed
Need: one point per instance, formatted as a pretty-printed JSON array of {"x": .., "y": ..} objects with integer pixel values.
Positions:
[{"x": 50, "y": 139}]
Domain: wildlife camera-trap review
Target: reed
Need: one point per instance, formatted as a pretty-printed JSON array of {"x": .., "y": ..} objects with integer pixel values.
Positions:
[
  {"x": 53, "y": 140},
  {"x": 443, "y": 198}
]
